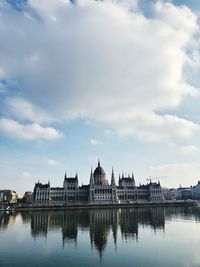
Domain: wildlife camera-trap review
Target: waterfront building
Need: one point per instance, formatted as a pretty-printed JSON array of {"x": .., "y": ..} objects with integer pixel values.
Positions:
[
  {"x": 1, "y": 197},
  {"x": 195, "y": 191},
  {"x": 98, "y": 191},
  {"x": 185, "y": 192},
  {"x": 28, "y": 197},
  {"x": 9, "y": 196},
  {"x": 172, "y": 194}
]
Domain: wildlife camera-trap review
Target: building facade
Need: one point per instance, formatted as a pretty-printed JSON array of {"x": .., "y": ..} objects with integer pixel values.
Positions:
[
  {"x": 9, "y": 196},
  {"x": 98, "y": 191},
  {"x": 181, "y": 193},
  {"x": 195, "y": 191}
]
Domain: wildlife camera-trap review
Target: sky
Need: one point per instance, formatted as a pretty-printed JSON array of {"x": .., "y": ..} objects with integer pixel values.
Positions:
[{"x": 113, "y": 79}]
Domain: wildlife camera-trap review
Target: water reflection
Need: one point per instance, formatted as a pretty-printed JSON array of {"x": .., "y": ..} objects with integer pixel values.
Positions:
[
  {"x": 99, "y": 223},
  {"x": 7, "y": 219}
]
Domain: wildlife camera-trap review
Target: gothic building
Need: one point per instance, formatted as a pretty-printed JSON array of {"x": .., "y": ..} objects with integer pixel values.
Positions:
[{"x": 98, "y": 191}]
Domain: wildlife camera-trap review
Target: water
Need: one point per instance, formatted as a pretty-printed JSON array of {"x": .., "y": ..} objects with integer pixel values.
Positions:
[{"x": 102, "y": 237}]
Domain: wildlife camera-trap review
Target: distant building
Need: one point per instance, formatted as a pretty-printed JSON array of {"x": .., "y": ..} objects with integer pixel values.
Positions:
[
  {"x": 195, "y": 191},
  {"x": 181, "y": 193},
  {"x": 166, "y": 193},
  {"x": 28, "y": 197},
  {"x": 98, "y": 191},
  {"x": 1, "y": 197},
  {"x": 185, "y": 192},
  {"x": 8, "y": 196},
  {"x": 175, "y": 194}
]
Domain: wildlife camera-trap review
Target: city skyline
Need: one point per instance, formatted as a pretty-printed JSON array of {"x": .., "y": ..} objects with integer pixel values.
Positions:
[{"x": 83, "y": 79}]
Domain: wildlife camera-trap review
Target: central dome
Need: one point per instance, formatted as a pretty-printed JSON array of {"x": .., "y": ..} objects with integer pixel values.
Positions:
[{"x": 100, "y": 176}]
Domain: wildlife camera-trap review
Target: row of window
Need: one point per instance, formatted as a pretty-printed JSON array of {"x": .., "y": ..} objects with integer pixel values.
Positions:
[
  {"x": 71, "y": 187},
  {"x": 103, "y": 197}
]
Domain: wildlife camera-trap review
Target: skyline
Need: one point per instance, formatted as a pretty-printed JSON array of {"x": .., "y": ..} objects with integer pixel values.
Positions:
[{"x": 111, "y": 79}]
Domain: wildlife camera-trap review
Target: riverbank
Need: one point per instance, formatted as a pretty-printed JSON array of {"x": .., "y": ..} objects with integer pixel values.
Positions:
[{"x": 105, "y": 206}]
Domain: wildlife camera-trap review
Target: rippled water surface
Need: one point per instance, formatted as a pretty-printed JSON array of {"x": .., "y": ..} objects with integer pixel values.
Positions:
[{"x": 101, "y": 237}]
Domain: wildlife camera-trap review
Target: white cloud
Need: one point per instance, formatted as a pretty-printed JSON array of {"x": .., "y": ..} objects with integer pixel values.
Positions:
[
  {"x": 103, "y": 61},
  {"x": 189, "y": 150},
  {"x": 95, "y": 142},
  {"x": 180, "y": 18},
  {"x": 21, "y": 109},
  {"x": 26, "y": 174},
  {"x": 52, "y": 162},
  {"x": 177, "y": 173},
  {"x": 2, "y": 88},
  {"x": 32, "y": 131},
  {"x": 152, "y": 127}
]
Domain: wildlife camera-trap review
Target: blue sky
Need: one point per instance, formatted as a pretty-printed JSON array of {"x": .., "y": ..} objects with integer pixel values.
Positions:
[{"x": 118, "y": 80}]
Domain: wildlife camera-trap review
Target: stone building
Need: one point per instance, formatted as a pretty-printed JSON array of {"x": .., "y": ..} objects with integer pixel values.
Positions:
[
  {"x": 195, "y": 191},
  {"x": 98, "y": 191},
  {"x": 9, "y": 196},
  {"x": 28, "y": 197}
]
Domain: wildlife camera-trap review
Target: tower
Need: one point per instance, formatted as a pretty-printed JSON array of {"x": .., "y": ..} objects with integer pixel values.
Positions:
[
  {"x": 113, "y": 179},
  {"x": 133, "y": 180},
  {"x": 113, "y": 188},
  {"x": 91, "y": 178},
  {"x": 91, "y": 196}
]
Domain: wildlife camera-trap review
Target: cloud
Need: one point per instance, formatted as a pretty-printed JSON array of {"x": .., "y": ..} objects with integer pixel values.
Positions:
[
  {"x": 52, "y": 162},
  {"x": 2, "y": 88},
  {"x": 21, "y": 109},
  {"x": 152, "y": 127},
  {"x": 32, "y": 131},
  {"x": 26, "y": 174},
  {"x": 100, "y": 61},
  {"x": 95, "y": 142},
  {"x": 189, "y": 150},
  {"x": 177, "y": 173}
]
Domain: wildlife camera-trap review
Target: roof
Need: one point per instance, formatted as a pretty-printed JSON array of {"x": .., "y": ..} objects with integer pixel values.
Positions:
[
  {"x": 155, "y": 185},
  {"x": 99, "y": 171},
  {"x": 56, "y": 188},
  {"x": 100, "y": 176},
  {"x": 71, "y": 179},
  {"x": 5, "y": 191},
  {"x": 40, "y": 185},
  {"x": 126, "y": 179},
  {"x": 143, "y": 186}
]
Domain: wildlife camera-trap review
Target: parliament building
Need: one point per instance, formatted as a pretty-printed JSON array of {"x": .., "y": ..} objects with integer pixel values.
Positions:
[{"x": 98, "y": 191}]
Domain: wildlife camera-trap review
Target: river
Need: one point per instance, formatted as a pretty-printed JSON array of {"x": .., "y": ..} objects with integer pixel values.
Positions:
[{"x": 146, "y": 237}]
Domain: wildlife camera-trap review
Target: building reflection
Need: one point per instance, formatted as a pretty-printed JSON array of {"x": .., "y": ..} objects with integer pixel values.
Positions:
[
  {"x": 7, "y": 219},
  {"x": 101, "y": 224},
  {"x": 128, "y": 221},
  {"x": 40, "y": 224}
]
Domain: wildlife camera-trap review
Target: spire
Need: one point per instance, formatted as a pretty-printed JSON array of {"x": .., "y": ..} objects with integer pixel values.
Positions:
[
  {"x": 65, "y": 176},
  {"x": 113, "y": 178},
  {"x": 99, "y": 165},
  {"x": 76, "y": 175},
  {"x": 112, "y": 171},
  {"x": 119, "y": 179},
  {"x": 122, "y": 175},
  {"x": 91, "y": 178},
  {"x": 133, "y": 179}
]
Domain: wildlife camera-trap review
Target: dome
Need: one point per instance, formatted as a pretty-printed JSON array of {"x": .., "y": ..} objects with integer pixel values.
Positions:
[
  {"x": 99, "y": 171},
  {"x": 100, "y": 176}
]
